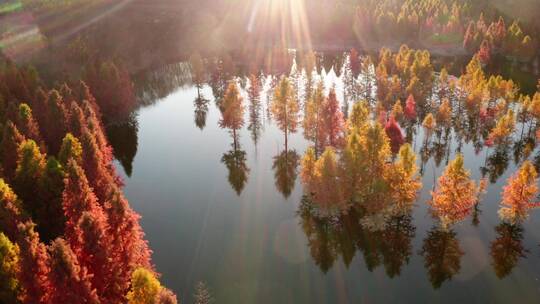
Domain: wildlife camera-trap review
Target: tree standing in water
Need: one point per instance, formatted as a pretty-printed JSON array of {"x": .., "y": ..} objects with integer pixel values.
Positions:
[
  {"x": 285, "y": 108},
  {"x": 456, "y": 194},
  {"x": 232, "y": 111},
  {"x": 332, "y": 121},
  {"x": 518, "y": 194},
  {"x": 312, "y": 122}
]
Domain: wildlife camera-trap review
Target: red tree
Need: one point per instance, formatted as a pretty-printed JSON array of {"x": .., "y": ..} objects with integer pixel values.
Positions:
[
  {"x": 33, "y": 271},
  {"x": 394, "y": 133},
  {"x": 332, "y": 121},
  {"x": 97, "y": 256},
  {"x": 69, "y": 281},
  {"x": 95, "y": 126},
  {"x": 54, "y": 129},
  {"x": 77, "y": 198},
  {"x": 410, "y": 108},
  {"x": 128, "y": 244},
  {"x": 11, "y": 140},
  {"x": 97, "y": 168},
  {"x": 76, "y": 121},
  {"x": 84, "y": 94},
  {"x": 39, "y": 108},
  {"x": 113, "y": 89},
  {"x": 484, "y": 53}
]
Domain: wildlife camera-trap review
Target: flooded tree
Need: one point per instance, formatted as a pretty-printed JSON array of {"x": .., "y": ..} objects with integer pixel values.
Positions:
[
  {"x": 232, "y": 111},
  {"x": 285, "y": 108},
  {"x": 518, "y": 194},
  {"x": 312, "y": 122},
  {"x": 254, "y": 108},
  {"x": 455, "y": 194}
]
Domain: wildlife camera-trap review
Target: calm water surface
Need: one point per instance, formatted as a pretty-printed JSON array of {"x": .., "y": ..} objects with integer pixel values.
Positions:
[{"x": 252, "y": 248}]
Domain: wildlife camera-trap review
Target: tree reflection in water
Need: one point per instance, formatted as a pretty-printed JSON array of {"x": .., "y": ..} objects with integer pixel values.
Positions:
[
  {"x": 124, "y": 141},
  {"x": 201, "y": 111},
  {"x": 442, "y": 255},
  {"x": 285, "y": 171},
  {"x": 507, "y": 249},
  {"x": 342, "y": 235},
  {"x": 359, "y": 209},
  {"x": 235, "y": 161}
]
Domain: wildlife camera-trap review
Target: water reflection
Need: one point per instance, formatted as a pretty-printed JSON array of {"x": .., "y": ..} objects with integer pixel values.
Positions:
[
  {"x": 442, "y": 255},
  {"x": 343, "y": 235},
  {"x": 507, "y": 249},
  {"x": 201, "y": 110},
  {"x": 235, "y": 161},
  {"x": 372, "y": 230},
  {"x": 285, "y": 168},
  {"x": 496, "y": 163},
  {"x": 124, "y": 141},
  {"x": 254, "y": 97}
]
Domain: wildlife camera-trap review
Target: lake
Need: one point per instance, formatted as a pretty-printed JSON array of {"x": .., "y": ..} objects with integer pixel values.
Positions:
[{"x": 251, "y": 243}]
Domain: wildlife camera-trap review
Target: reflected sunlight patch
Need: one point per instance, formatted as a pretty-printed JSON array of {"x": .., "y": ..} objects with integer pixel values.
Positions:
[{"x": 475, "y": 259}]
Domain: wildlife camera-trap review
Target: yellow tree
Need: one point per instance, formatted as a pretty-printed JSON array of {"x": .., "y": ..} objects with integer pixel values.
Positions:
[
  {"x": 444, "y": 114},
  {"x": 146, "y": 289},
  {"x": 353, "y": 163},
  {"x": 518, "y": 194},
  {"x": 403, "y": 180},
  {"x": 325, "y": 180},
  {"x": 397, "y": 110},
  {"x": 377, "y": 153},
  {"x": 307, "y": 173},
  {"x": 359, "y": 116},
  {"x": 232, "y": 110},
  {"x": 503, "y": 129},
  {"x": 455, "y": 195},
  {"x": 285, "y": 108},
  {"x": 9, "y": 259},
  {"x": 312, "y": 115},
  {"x": 429, "y": 125}
]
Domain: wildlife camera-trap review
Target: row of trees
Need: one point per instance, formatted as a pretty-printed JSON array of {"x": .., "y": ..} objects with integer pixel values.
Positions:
[
  {"x": 360, "y": 176},
  {"x": 488, "y": 41},
  {"x": 68, "y": 231},
  {"x": 476, "y": 107},
  {"x": 443, "y": 22}
]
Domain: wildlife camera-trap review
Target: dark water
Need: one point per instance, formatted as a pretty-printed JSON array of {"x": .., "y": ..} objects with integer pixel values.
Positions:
[{"x": 258, "y": 246}]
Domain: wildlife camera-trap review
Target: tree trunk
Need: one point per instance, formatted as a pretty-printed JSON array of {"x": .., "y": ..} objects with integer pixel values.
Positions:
[
  {"x": 286, "y": 141},
  {"x": 234, "y": 140}
]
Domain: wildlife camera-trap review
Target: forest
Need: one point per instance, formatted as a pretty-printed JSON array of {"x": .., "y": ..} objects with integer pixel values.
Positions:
[{"x": 391, "y": 129}]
